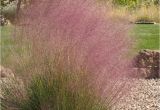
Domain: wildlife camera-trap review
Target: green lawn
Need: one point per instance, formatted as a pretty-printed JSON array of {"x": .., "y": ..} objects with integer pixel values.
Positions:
[
  {"x": 147, "y": 36},
  {"x": 5, "y": 42},
  {"x": 5, "y": 35}
]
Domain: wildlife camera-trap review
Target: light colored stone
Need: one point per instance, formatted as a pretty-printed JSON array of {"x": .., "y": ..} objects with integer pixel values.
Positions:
[
  {"x": 9, "y": 81},
  {"x": 5, "y": 72},
  {"x": 145, "y": 95}
]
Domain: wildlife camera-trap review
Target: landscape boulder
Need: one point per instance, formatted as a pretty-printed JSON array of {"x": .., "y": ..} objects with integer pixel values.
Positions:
[{"x": 146, "y": 63}]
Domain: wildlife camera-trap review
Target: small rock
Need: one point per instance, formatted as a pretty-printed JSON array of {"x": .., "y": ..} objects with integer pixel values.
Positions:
[{"x": 5, "y": 72}]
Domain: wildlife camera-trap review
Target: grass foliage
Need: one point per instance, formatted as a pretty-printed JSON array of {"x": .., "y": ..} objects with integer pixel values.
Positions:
[
  {"x": 136, "y": 10},
  {"x": 54, "y": 91},
  {"x": 69, "y": 56}
]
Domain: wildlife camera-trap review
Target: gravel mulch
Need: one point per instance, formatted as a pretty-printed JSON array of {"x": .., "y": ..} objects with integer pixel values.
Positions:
[{"x": 145, "y": 95}]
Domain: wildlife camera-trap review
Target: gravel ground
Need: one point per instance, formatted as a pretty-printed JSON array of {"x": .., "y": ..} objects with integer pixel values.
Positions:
[{"x": 145, "y": 95}]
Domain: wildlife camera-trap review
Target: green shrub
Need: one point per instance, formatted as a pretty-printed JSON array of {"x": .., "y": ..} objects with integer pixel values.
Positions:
[
  {"x": 125, "y": 2},
  {"x": 9, "y": 11},
  {"x": 135, "y": 3}
]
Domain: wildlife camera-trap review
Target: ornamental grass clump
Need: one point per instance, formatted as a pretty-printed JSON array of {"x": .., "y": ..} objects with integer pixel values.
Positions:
[
  {"x": 53, "y": 90},
  {"x": 70, "y": 56}
]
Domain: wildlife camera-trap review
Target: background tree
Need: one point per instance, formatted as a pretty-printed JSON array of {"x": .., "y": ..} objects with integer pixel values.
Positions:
[{"x": 11, "y": 8}]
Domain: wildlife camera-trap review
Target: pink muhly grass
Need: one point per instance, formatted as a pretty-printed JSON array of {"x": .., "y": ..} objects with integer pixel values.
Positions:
[{"x": 82, "y": 35}]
